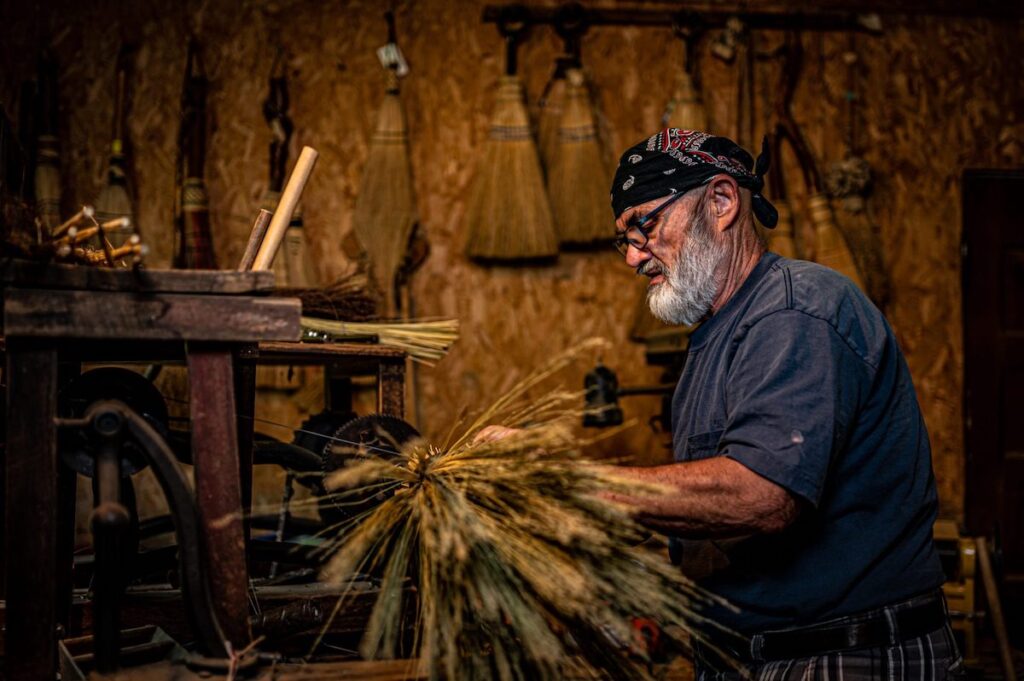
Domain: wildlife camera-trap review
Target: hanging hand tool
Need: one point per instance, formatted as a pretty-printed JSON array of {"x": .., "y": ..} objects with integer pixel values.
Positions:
[{"x": 194, "y": 243}]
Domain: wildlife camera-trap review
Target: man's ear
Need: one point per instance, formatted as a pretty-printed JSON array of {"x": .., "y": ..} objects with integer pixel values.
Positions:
[{"x": 724, "y": 202}]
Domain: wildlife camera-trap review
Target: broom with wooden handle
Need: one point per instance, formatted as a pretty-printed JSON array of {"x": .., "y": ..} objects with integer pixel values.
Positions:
[
  {"x": 385, "y": 211},
  {"x": 114, "y": 200},
  {"x": 508, "y": 217}
]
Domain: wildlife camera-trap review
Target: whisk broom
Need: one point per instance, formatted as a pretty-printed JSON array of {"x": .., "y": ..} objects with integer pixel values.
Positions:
[{"x": 508, "y": 216}]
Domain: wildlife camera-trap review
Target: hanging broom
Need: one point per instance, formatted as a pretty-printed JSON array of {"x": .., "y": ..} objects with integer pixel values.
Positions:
[
  {"x": 47, "y": 174},
  {"x": 114, "y": 201},
  {"x": 578, "y": 180},
  {"x": 385, "y": 211},
  {"x": 508, "y": 216}
]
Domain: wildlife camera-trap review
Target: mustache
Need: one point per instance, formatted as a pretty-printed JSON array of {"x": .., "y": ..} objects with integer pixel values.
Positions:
[{"x": 650, "y": 268}]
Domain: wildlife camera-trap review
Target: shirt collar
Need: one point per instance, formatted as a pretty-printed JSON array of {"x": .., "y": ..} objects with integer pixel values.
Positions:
[{"x": 707, "y": 329}]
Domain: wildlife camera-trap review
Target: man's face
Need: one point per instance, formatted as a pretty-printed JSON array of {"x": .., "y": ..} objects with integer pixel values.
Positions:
[{"x": 682, "y": 259}]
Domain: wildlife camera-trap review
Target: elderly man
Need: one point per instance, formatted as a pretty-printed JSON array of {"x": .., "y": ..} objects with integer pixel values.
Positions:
[{"x": 801, "y": 459}]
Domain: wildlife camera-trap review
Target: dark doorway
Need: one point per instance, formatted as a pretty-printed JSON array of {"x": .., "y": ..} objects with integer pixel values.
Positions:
[{"x": 993, "y": 314}]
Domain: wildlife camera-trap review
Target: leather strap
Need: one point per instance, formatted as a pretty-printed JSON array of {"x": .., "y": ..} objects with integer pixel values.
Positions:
[{"x": 889, "y": 627}]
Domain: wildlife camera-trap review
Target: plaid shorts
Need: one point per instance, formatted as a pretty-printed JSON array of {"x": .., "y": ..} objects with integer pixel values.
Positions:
[{"x": 932, "y": 657}]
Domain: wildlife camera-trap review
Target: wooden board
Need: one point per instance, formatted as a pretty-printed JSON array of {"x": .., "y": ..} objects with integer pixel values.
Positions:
[
  {"x": 96, "y": 314},
  {"x": 25, "y": 273},
  {"x": 276, "y": 351}
]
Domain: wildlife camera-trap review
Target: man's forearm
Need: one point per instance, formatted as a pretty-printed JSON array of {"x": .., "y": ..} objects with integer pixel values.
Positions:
[{"x": 715, "y": 497}]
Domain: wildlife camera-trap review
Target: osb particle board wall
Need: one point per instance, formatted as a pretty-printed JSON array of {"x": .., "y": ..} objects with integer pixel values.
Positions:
[{"x": 938, "y": 95}]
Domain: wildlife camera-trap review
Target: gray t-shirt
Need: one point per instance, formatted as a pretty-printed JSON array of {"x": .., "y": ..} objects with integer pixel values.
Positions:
[{"x": 800, "y": 379}]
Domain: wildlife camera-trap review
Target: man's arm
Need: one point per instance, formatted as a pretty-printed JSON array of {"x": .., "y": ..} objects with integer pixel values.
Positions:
[{"x": 715, "y": 498}]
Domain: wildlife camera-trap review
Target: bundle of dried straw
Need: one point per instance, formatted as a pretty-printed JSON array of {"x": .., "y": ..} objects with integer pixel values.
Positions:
[
  {"x": 424, "y": 341},
  {"x": 522, "y": 569}
]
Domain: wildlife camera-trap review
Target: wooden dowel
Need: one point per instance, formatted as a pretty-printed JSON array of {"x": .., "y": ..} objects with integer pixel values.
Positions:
[
  {"x": 995, "y": 608},
  {"x": 77, "y": 236},
  {"x": 73, "y": 221},
  {"x": 259, "y": 230},
  {"x": 285, "y": 207}
]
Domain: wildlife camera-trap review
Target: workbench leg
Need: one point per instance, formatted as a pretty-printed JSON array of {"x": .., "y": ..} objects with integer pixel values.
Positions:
[
  {"x": 218, "y": 489},
  {"x": 31, "y": 511},
  {"x": 391, "y": 388},
  {"x": 245, "y": 406}
]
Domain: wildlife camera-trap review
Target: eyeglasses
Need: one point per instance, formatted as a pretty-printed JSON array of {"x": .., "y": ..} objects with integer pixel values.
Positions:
[{"x": 637, "y": 234}]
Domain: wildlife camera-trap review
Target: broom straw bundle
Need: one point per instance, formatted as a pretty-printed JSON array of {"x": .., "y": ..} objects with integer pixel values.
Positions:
[
  {"x": 522, "y": 569},
  {"x": 385, "y": 211},
  {"x": 508, "y": 216},
  {"x": 424, "y": 341},
  {"x": 577, "y": 178}
]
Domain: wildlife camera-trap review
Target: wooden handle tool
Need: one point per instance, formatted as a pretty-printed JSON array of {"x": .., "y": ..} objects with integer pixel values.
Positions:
[
  {"x": 256, "y": 235},
  {"x": 285, "y": 208}
]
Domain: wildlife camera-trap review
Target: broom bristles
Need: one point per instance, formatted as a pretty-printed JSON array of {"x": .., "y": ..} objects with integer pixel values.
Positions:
[
  {"x": 508, "y": 216},
  {"x": 113, "y": 203},
  {"x": 578, "y": 181},
  {"x": 385, "y": 211},
  {"x": 781, "y": 239},
  {"x": 831, "y": 249}
]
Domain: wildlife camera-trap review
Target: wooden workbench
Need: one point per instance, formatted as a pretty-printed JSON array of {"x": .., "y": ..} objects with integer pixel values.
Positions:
[{"x": 54, "y": 318}]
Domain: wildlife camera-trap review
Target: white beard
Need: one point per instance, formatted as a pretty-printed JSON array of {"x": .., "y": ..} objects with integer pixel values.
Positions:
[{"x": 691, "y": 283}]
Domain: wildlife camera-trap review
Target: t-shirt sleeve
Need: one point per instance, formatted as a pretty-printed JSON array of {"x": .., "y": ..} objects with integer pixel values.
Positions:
[{"x": 792, "y": 390}]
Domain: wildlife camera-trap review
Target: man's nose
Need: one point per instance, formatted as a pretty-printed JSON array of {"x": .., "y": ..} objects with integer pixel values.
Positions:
[{"x": 637, "y": 256}]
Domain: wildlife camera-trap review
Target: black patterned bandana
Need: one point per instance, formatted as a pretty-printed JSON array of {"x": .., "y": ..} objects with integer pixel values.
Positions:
[{"x": 675, "y": 160}]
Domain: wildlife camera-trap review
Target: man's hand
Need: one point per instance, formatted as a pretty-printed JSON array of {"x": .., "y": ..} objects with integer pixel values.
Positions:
[{"x": 493, "y": 434}]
